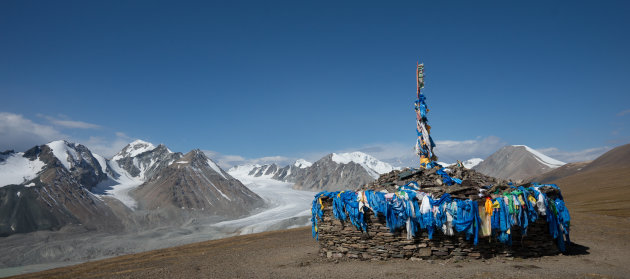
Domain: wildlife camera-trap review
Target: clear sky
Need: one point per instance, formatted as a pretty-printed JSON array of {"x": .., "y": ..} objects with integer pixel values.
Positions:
[{"x": 301, "y": 79}]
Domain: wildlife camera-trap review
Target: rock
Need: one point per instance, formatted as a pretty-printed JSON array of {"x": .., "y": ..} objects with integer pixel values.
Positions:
[
  {"x": 424, "y": 252},
  {"x": 440, "y": 253}
]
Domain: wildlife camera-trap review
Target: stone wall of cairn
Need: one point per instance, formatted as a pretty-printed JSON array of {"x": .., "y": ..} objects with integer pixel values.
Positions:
[{"x": 339, "y": 240}]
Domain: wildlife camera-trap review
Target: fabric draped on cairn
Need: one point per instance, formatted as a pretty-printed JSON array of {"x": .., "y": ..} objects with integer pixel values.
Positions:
[
  {"x": 360, "y": 223},
  {"x": 437, "y": 212}
]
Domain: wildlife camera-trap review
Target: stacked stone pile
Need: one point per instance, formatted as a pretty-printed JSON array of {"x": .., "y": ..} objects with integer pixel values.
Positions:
[
  {"x": 338, "y": 239},
  {"x": 430, "y": 181}
]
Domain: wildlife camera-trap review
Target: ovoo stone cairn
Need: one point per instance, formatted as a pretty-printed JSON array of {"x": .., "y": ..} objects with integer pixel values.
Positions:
[{"x": 434, "y": 212}]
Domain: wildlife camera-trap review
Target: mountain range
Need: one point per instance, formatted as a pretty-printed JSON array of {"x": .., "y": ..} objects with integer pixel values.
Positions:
[
  {"x": 335, "y": 171},
  {"x": 61, "y": 183}
]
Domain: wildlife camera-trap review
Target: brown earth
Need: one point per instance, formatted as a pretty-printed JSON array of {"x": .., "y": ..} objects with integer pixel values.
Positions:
[
  {"x": 564, "y": 171},
  {"x": 598, "y": 199},
  {"x": 601, "y": 252}
]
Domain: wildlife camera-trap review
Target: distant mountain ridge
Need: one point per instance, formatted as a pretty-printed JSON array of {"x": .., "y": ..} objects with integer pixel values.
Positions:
[
  {"x": 143, "y": 160},
  {"x": 618, "y": 157},
  {"x": 601, "y": 186},
  {"x": 517, "y": 162},
  {"x": 332, "y": 172}
]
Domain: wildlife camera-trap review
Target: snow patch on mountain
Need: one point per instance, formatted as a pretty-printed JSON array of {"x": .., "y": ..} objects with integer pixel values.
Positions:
[
  {"x": 123, "y": 181},
  {"x": 64, "y": 153},
  {"x": 216, "y": 168},
  {"x": 301, "y": 163},
  {"x": 134, "y": 149},
  {"x": 470, "y": 163},
  {"x": 372, "y": 165},
  {"x": 119, "y": 188},
  {"x": 101, "y": 161},
  {"x": 242, "y": 170},
  {"x": 16, "y": 169},
  {"x": 542, "y": 158}
]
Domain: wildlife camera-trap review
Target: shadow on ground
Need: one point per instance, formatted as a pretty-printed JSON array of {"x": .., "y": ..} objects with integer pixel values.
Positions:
[{"x": 576, "y": 249}]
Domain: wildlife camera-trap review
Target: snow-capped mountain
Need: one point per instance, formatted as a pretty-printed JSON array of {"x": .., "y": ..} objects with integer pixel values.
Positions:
[
  {"x": 471, "y": 163},
  {"x": 517, "y": 162},
  {"x": 17, "y": 169},
  {"x": 242, "y": 170},
  {"x": 267, "y": 170},
  {"x": 196, "y": 182},
  {"x": 81, "y": 162},
  {"x": 286, "y": 173},
  {"x": 136, "y": 163},
  {"x": 142, "y": 159},
  {"x": 61, "y": 183},
  {"x": 333, "y": 171},
  {"x": 148, "y": 177},
  {"x": 302, "y": 164},
  {"x": 373, "y": 166},
  {"x": 542, "y": 158},
  {"x": 48, "y": 187}
]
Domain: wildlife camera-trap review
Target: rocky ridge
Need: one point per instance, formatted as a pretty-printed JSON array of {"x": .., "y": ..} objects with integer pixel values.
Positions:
[
  {"x": 63, "y": 183},
  {"x": 56, "y": 194},
  {"x": 334, "y": 171}
]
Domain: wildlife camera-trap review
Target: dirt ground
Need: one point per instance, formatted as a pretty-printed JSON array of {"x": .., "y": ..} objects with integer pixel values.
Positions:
[{"x": 600, "y": 251}]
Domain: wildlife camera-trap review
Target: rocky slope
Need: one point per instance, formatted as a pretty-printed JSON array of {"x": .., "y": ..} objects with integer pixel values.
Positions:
[
  {"x": 143, "y": 160},
  {"x": 338, "y": 171},
  {"x": 62, "y": 183},
  {"x": 517, "y": 162},
  {"x": 48, "y": 187},
  {"x": 194, "y": 182}
]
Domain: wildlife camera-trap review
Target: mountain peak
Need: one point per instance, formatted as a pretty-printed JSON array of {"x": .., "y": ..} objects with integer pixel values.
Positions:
[
  {"x": 301, "y": 163},
  {"x": 134, "y": 149},
  {"x": 517, "y": 162},
  {"x": 196, "y": 158},
  {"x": 542, "y": 158},
  {"x": 65, "y": 151},
  {"x": 139, "y": 141},
  {"x": 371, "y": 164}
]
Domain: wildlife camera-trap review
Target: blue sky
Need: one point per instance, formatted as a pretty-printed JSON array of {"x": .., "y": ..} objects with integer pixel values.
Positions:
[{"x": 301, "y": 79}]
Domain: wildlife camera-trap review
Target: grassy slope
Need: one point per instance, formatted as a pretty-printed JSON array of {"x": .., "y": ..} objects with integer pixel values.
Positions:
[{"x": 602, "y": 191}]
